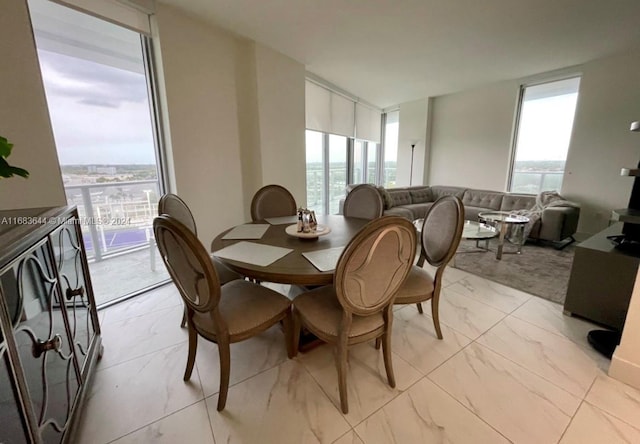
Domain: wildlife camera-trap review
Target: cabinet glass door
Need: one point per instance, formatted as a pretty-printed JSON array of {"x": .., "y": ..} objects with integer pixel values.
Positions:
[
  {"x": 13, "y": 429},
  {"x": 68, "y": 253},
  {"x": 46, "y": 355}
]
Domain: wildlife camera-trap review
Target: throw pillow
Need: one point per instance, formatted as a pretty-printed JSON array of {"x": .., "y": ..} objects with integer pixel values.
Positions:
[{"x": 386, "y": 197}]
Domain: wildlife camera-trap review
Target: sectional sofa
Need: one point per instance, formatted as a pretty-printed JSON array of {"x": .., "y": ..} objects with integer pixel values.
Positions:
[{"x": 556, "y": 224}]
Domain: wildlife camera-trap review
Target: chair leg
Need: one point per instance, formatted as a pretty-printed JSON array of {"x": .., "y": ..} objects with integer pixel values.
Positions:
[
  {"x": 295, "y": 331},
  {"x": 419, "y": 305},
  {"x": 435, "y": 315},
  {"x": 288, "y": 325},
  {"x": 225, "y": 368},
  {"x": 386, "y": 353},
  {"x": 191, "y": 358},
  {"x": 183, "y": 323},
  {"x": 341, "y": 363}
]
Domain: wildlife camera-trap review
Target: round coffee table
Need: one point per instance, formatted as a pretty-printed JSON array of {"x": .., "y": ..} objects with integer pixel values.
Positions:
[
  {"x": 472, "y": 230},
  {"x": 478, "y": 231},
  {"x": 503, "y": 220}
]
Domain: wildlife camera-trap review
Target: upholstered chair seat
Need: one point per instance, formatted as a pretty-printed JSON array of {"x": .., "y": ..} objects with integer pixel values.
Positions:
[
  {"x": 245, "y": 307},
  {"x": 323, "y": 312},
  {"x": 418, "y": 287}
]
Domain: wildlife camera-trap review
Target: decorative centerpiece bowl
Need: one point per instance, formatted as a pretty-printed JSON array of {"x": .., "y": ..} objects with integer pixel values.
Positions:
[{"x": 321, "y": 230}]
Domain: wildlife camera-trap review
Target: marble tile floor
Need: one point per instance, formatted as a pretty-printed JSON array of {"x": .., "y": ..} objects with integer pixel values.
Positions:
[{"x": 511, "y": 368}]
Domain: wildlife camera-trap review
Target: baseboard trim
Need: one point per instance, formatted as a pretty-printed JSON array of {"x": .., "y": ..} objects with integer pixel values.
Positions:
[{"x": 624, "y": 371}]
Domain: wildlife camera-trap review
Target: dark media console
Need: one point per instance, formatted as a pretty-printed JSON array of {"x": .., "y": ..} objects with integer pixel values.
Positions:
[{"x": 601, "y": 280}]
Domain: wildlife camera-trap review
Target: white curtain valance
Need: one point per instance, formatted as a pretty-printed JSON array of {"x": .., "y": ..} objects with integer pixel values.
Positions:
[{"x": 132, "y": 14}]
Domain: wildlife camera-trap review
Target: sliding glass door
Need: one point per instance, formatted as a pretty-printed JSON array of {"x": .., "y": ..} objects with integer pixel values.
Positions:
[{"x": 96, "y": 82}]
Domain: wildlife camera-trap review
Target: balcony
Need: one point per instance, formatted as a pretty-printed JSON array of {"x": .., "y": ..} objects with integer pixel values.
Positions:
[
  {"x": 535, "y": 181},
  {"x": 117, "y": 221}
]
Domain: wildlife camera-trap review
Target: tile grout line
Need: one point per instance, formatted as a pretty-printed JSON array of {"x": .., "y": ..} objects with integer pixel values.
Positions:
[
  {"x": 605, "y": 410},
  {"x": 531, "y": 371},
  {"x": 454, "y": 398},
  {"x": 155, "y": 421},
  {"x": 110, "y": 366}
]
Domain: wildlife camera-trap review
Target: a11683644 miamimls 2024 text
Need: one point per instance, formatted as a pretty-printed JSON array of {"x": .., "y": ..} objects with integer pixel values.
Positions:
[{"x": 38, "y": 220}]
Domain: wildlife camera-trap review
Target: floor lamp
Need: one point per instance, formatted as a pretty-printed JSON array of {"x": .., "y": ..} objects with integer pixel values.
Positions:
[{"x": 413, "y": 147}]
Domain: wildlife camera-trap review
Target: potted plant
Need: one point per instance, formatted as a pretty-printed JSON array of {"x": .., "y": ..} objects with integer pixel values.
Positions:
[{"x": 7, "y": 170}]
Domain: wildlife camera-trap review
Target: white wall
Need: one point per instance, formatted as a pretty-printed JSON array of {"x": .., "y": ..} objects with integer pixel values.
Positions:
[
  {"x": 24, "y": 117},
  {"x": 248, "y": 122},
  {"x": 472, "y": 133},
  {"x": 602, "y": 144},
  {"x": 471, "y": 137},
  {"x": 199, "y": 72},
  {"x": 625, "y": 364},
  {"x": 281, "y": 108},
  {"x": 412, "y": 127},
  {"x": 235, "y": 119}
]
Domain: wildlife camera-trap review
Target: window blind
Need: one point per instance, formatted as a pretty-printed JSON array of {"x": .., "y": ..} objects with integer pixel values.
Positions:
[
  {"x": 368, "y": 123},
  {"x": 333, "y": 113},
  {"x": 327, "y": 111},
  {"x": 132, "y": 14}
]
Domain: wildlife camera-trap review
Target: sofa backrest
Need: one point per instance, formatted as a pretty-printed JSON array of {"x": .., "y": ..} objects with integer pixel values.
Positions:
[
  {"x": 437, "y": 191},
  {"x": 513, "y": 202},
  {"x": 399, "y": 196},
  {"x": 420, "y": 194},
  {"x": 482, "y": 199}
]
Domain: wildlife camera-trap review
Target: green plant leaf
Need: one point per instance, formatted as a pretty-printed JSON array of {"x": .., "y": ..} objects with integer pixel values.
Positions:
[
  {"x": 5, "y": 147},
  {"x": 7, "y": 170},
  {"x": 20, "y": 172}
]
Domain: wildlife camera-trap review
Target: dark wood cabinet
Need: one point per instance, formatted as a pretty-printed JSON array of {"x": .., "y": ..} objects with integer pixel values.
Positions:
[{"x": 49, "y": 325}]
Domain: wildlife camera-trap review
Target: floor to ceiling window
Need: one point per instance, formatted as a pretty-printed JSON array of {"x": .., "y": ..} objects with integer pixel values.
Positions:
[
  {"x": 96, "y": 82},
  {"x": 390, "y": 155},
  {"x": 543, "y": 134},
  {"x": 342, "y": 146}
]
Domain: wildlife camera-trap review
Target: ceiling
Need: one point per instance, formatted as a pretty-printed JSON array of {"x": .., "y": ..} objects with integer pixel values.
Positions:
[{"x": 392, "y": 51}]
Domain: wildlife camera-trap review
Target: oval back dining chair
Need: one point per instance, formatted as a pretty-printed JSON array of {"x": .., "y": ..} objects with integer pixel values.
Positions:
[
  {"x": 272, "y": 201},
  {"x": 363, "y": 201},
  {"x": 358, "y": 306},
  {"x": 440, "y": 237},
  {"x": 175, "y": 207},
  {"x": 220, "y": 314}
]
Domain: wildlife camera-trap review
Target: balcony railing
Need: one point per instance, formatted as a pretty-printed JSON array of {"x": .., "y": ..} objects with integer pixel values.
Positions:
[
  {"x": 115, "y": 216},
  {"x": 533, "y": 182}
]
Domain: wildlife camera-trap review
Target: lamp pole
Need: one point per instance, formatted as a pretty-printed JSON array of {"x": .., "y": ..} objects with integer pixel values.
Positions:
[{"x": 413, "y": 146}]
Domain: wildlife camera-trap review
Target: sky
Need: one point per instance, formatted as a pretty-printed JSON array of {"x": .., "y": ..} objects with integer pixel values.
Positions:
[
  {"x": 545, "y": 128},
  {"x": 100, "y": 114}
]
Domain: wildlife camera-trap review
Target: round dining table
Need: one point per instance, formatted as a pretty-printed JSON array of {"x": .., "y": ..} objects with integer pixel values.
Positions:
[{"x": 293, "y": 268}]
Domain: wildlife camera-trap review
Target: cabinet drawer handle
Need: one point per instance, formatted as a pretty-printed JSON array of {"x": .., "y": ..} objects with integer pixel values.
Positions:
[
  {"x": 41, "y": 347},
  {"x": 73, "y": 292}
]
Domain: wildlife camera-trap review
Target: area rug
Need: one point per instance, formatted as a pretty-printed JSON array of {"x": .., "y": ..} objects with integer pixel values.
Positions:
[{"x": 540, "y": 269}]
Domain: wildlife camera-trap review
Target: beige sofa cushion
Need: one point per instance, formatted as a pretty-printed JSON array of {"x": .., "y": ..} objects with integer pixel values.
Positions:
[
  {"x": 483, "y": 199},
  {"x": 438, "y": 191},
  {"x": 513, "y": 202},
  {"x": 420, "y": 194},
  {"x": 399, "y": 196}
]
